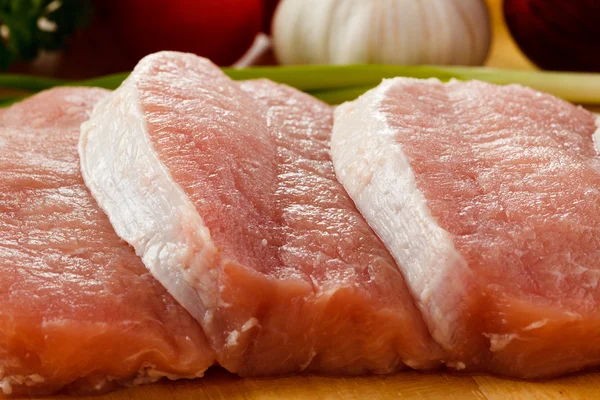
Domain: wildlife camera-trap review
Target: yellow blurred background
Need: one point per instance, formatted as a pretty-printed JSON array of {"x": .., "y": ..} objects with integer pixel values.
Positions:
[
  {"x": 83, "y": 61},
  {"x": 504, "y": 52}
]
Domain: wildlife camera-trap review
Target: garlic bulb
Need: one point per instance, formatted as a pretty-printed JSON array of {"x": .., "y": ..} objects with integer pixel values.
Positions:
[{"x": 381, "y": 32}]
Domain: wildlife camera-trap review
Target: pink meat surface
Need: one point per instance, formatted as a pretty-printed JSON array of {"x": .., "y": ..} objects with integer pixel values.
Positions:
[
  {"x": 489, "y": 199},
  {"x": 266, "y": 249},
  {"x": 79, "y": 309}
]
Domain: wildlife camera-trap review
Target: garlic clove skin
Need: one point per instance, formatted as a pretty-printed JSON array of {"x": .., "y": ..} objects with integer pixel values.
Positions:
[{"x": 403, "y": 32}]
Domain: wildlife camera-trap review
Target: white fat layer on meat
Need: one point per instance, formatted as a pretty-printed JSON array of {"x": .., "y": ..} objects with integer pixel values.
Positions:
[
  {"x": 145, "y": 205},
  {"x": 148, "y": 373},
  {"x": 375, "y": 171},
  {"x": 596, "y": 136},
  {"x": 536, "y": 324},
  {"x": 457, "y": 365},
  {"x": 232, "y": 338},
  {"x": 7, "y": 382},
  {"x": 499, "y": 341},
  {"x": 251, "y": 323}
]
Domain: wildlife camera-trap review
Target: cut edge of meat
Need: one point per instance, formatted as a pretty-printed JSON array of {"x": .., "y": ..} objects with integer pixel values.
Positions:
[
  {"x": 191, "y": 245},
  {"x": 93, "y": 385},
  {"x": 49, "y": 368},
  {"x": 107, "y": 154},
  {"x": 388, "y": 178},
  {"x": 376, "y": 172},
  {"x": 407, "y": 358}
]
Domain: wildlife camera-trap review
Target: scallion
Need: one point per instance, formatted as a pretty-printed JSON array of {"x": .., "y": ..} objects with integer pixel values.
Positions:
[{"x": 336, "y": 84}]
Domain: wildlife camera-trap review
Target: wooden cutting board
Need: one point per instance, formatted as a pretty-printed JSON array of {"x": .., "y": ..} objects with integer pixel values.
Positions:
[{"x": 218, "y": 384}]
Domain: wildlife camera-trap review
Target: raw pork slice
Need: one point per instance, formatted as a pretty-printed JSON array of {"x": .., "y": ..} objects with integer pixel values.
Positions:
[
  {"x": 228, "y": 193},
  {"x": 79, "y": 309},
  {"x": 489, "y": 199}
]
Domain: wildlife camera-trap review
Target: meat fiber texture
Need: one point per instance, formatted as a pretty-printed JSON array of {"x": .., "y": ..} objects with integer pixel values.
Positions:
[
  {"x": 488, "y": 197},
  {"x": 80, "y": 311},
  {"x": 228, "y": 194}
]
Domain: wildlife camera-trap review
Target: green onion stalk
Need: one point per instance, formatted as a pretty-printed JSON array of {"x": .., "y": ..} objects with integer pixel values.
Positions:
[{"x": 337, "y": 84}]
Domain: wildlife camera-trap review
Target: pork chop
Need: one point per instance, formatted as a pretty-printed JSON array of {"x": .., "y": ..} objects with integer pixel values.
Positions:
[
  {"x": 79, "y": 309},
  {"x": 488, "y": 197},
  {"x": 228, "y": 193}
]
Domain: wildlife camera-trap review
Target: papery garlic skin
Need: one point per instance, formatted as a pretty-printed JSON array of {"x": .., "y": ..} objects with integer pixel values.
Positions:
[{"x": 404, "y": 32}]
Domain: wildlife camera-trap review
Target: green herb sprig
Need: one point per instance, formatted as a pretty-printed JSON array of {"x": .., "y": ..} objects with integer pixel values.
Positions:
[{"x": 30, "y": 26}]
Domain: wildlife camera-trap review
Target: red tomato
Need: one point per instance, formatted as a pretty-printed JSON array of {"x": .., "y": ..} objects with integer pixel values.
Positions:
[{"x": 221, "y": 30}]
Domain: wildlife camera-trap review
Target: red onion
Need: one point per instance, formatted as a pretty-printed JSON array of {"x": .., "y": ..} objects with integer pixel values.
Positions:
[{"x": 557, "y": 34}]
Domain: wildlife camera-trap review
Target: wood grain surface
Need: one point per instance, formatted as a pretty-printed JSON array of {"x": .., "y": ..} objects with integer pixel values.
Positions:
[{"x": 218, "y": 384}]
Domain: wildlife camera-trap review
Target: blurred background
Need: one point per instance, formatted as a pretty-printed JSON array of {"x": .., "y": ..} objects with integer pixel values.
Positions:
[{"x": 86, "y": 38}]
